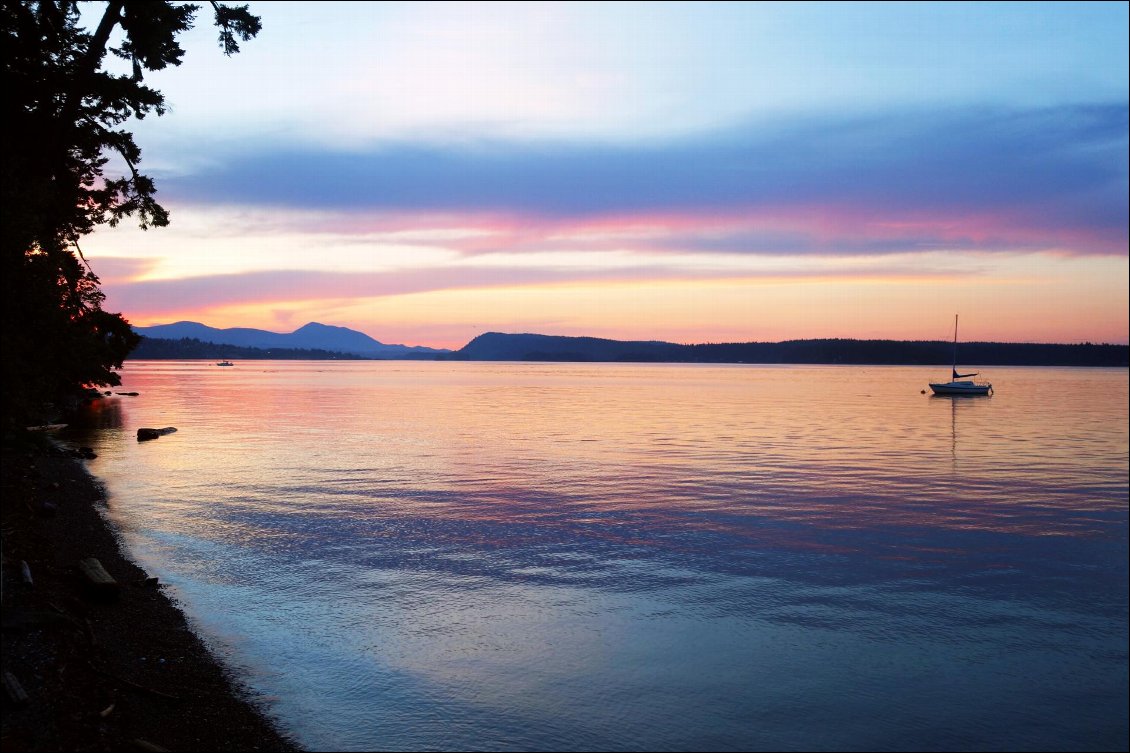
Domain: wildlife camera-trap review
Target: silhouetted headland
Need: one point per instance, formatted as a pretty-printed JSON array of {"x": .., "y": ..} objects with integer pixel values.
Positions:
[{"x": 497, "y": 346}]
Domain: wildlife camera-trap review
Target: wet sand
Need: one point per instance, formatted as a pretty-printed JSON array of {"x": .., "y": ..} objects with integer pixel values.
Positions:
[{"x": 118, "y": 673}]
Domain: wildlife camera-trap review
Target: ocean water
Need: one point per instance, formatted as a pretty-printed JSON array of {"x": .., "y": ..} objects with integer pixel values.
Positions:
[{"x": 461, "y": 556}]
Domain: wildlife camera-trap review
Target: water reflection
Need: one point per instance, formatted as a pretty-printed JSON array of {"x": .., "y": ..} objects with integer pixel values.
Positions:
[
  {"x": 958, "y": 403},
  {"x": 503, "y": 555},
  {"x": 99, "y": 415}
]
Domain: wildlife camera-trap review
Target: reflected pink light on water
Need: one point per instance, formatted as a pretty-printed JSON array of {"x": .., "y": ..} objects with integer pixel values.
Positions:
[
  {"x": 551, "y": 445},
  {"x": 518, "y": 552}
]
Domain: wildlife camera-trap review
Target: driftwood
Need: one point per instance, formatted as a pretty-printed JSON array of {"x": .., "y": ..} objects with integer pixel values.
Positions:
[
  {"x": 144, "y": 434},
  {"x": 12, "y": 687},
  {"x": 96, "y": 578},
  {"x": 46, "y": 427}
]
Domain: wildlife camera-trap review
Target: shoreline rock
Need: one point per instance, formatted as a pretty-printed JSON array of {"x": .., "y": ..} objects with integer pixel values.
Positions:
[{"x": 145, "y": 434}]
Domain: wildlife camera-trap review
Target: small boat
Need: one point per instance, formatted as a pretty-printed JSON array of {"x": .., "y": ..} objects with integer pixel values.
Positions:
[
  {"x": 960, "y": 384},
  {"x": 225, "y": 363}
]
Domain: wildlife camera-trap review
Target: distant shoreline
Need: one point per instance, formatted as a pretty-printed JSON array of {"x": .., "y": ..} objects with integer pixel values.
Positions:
[{"x": 494, "y": 346}]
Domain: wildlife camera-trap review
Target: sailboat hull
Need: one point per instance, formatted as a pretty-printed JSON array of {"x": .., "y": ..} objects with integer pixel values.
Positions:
[{"x": 961, "y": 388}]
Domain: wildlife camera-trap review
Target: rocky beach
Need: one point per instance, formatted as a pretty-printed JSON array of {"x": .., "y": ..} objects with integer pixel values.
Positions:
[{"x": 100, "y": 667}]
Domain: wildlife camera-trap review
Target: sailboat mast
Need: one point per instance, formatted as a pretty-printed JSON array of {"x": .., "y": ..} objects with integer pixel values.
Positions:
[{"x": 955, "y": 344}]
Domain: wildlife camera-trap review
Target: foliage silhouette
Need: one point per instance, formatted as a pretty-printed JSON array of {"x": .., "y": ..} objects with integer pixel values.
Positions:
[{"x": 63, "y": 112}]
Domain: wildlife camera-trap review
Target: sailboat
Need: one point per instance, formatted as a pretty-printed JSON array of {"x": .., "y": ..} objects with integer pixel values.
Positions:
[{"x": 960, "y": 384}]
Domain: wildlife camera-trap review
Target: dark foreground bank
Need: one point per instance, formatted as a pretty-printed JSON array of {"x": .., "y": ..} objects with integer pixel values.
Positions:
[{"x": 100, "y": 674}]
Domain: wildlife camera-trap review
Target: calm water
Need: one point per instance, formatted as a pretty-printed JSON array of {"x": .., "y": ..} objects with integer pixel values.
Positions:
[{"x": 399, "y": 555}]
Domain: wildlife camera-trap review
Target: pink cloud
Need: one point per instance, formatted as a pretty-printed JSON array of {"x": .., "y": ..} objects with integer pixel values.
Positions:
[
  {"x": 818, "y": 229},
  {"x": 113, "y": 270}
]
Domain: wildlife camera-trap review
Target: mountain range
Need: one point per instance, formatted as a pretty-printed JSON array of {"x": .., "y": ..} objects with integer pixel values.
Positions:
[
  {"x": 312, "y": 336},
  {"x": 191, "y": 340}
]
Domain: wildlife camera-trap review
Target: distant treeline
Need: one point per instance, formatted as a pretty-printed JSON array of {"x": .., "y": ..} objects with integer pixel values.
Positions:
[
  {"x": 189, "y": 348},
  {"x": 911, "y": 353},
  {"x": 495, "y": 346}
]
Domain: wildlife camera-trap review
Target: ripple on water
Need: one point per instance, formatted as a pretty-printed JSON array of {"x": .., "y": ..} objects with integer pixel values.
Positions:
[{"x": 515, "y": 556}]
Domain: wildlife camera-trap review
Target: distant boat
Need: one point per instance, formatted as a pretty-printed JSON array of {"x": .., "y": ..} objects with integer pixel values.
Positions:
[
  {"x": 960, "y": 384},
  {"x": 225, "y": 363}
]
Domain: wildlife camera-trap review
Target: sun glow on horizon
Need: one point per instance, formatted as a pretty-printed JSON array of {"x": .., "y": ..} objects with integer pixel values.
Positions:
[{"x": 996, "y": 308}]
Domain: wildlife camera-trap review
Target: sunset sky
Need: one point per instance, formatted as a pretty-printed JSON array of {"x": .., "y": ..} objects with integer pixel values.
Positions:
[{"x": 687, "y": 172}]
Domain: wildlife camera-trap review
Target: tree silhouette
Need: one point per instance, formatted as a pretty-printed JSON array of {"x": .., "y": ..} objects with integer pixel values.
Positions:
[{"x": 63, "y": 113}]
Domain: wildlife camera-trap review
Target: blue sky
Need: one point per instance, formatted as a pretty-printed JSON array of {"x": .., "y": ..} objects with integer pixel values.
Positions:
[{"x": 699, "y": 171}]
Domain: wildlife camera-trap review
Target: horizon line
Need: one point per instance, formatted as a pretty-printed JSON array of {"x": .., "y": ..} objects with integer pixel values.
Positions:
[{"x": 651, "y": 340}]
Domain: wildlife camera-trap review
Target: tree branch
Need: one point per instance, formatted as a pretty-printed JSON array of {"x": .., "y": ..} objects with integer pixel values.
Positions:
[
  {"x": 235, "y": 21},
  {"x": 111, "y": 139},
  {"x": 92, "y": 59}
]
